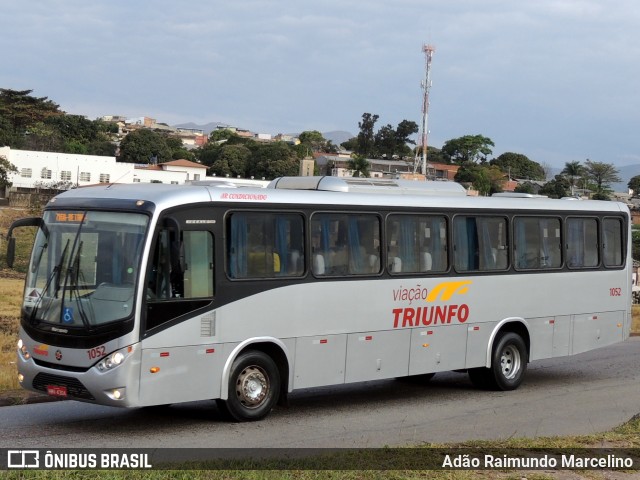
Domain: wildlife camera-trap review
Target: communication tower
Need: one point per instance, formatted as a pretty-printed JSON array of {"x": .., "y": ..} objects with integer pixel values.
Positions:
[{"x": 421, "y": 161}]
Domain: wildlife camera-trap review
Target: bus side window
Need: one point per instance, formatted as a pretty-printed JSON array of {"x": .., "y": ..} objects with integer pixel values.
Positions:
[
  {"x": 265, "y": 245},
  {"x": 345, "y": 244},
  {"x": 480, "y": 243},
  {"x": 582, "y": 242},
  {"x": 537, "y": 243},
  {"x": 416, "y": 244},
  {"x": 612, "y": 244}
]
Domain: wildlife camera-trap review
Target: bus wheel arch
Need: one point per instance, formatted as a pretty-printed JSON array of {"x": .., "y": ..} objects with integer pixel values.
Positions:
[
  {"x": 255, "y": 378},
  {"x": 507, "y": 358}
]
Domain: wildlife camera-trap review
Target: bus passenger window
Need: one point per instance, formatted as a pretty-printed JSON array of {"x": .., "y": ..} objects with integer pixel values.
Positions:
[
  {"x": 265, "y": 245},
  {"x": 582, "y": 242},
  {"x": 537, "y": 243},
  {"x": 480, "y": 243},
  {"x": 345, "y": 244},
  {"x": 416, "y": 244},
  {"x": 612, "y": 243}
]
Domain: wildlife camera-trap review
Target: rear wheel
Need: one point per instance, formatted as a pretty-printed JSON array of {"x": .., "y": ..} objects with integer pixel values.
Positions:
[
  {"x": 508, "y": 364},
  {"x": 254, "y": 383}
]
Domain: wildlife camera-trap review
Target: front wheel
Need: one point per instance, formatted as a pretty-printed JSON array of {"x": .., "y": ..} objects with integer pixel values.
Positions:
[
  {"x": 508, "y": 364},
  {"x": 254, "y": 384}
]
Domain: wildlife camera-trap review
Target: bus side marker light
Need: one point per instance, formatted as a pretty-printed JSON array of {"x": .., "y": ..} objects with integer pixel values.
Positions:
[
  {"x": 552, "y": 322},
  {"x": 164, "y": 354},
  {"x": 320, "y": 342},
  {"x": 425, "y": 344},
  {"x": 619, "y": 325},
  {"x": 154, "y": 369}
]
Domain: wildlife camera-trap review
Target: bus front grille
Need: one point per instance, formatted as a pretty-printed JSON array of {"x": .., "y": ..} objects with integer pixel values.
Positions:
[{"x": 74, "y": 387}]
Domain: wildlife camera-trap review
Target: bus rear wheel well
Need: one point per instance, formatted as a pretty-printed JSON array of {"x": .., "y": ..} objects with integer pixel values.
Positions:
[{"x": 518, "y": 328}]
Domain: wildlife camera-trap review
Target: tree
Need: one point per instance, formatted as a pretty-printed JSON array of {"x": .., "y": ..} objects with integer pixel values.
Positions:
[
  {"x": 313, "y": 140},
  {"x": 6, "y": 168},
  {"x": 484, "y": 178},
  {"x": 144, "y": 146},
  {"x": 559, "y": 187},
  {"x": 359, "y": 165},
  {"x": 525, "y": 187},
  {"x": 19, "y": 111},
  {"x": 469, "y": 148},
  {"x": 350, "y": 145},
  {"x": 178, "y": 150},
  {"x": 517, "y": 165},
  {"x": 365, "y": 145},
  {"x": 573, "y": 171},
  {"x": 602, "y": 174},
  {"x": 385, "y": 141},
  {"x": 271, "y": 160},
  {"x": 232, "y": 160},
  {"x": 634, "y": 184},
  {"x": 221, "y": 135}
]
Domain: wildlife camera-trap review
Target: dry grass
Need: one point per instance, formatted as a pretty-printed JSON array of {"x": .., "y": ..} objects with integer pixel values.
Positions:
[
  {"x": 11, "y": 289},
  {"x": 10, "y": 299}
]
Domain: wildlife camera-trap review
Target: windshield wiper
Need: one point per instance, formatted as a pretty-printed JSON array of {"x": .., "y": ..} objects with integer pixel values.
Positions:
[
  {"x": 55, "y": 274},
  {"x": 74, "y": 275}
]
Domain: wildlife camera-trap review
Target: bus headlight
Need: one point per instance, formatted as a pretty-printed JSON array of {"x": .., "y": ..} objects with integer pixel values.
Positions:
[
  {"x": 113, "y": 360},
  {"x": 22, "y": 348}
]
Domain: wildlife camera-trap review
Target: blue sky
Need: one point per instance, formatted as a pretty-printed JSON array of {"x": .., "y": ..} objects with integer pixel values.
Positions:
[{"x": 556, "y": 80}]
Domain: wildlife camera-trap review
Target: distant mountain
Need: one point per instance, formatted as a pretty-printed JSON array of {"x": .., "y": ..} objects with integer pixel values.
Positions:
[
  {"x": 337, "y": 137},
  {"x": 625, "y": 173}
]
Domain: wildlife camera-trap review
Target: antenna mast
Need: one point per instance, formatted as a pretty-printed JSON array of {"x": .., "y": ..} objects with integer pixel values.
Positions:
[{"x": 426, "y": 86}]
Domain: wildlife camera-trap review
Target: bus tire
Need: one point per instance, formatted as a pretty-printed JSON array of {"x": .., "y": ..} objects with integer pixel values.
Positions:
[
  {"x": 508, "y": 365},
  {"x": 254, "y": 384}
]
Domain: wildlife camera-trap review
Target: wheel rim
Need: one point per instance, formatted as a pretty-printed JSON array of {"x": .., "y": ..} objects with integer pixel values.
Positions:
[
  {"x": 252, "y": 386},
  {"x": 510, "y": 362}
]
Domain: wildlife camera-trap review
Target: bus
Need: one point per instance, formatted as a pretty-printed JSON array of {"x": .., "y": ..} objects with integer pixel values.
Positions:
[{"x": 153, "y": 294}]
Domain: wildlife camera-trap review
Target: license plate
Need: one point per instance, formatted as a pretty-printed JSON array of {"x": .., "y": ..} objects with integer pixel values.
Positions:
[{"x": 57, "y": 390}]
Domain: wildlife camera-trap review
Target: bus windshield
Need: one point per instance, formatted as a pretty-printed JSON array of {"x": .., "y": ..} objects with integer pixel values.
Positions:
[{"x": 83, "y": 268}]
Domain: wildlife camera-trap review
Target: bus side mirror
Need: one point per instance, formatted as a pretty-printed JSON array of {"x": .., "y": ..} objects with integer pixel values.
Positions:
[{"x": 11, "y": 241}]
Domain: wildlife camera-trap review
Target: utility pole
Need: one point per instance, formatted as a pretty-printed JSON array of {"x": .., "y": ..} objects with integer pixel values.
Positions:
[{"x": 426, "y": 86}]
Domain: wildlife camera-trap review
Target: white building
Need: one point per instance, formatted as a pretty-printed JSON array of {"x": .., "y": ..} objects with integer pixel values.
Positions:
[{"x": 46, "y": 169}]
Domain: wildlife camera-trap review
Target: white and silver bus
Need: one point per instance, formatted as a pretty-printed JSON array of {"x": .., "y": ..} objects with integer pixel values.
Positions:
[{"x": 140, "y": 295}]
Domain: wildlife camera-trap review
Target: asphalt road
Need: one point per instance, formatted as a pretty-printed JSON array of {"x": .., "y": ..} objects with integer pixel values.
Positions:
[{"x": 583, "y": 394}]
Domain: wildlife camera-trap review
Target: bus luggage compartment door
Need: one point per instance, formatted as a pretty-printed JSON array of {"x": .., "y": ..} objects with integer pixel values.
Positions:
[
  {"x": 377, "y": 355},
  {"x": 319, "y": 361},
  {"x": 438, "y": 349},
  {"x": 595, "y": 330}
]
